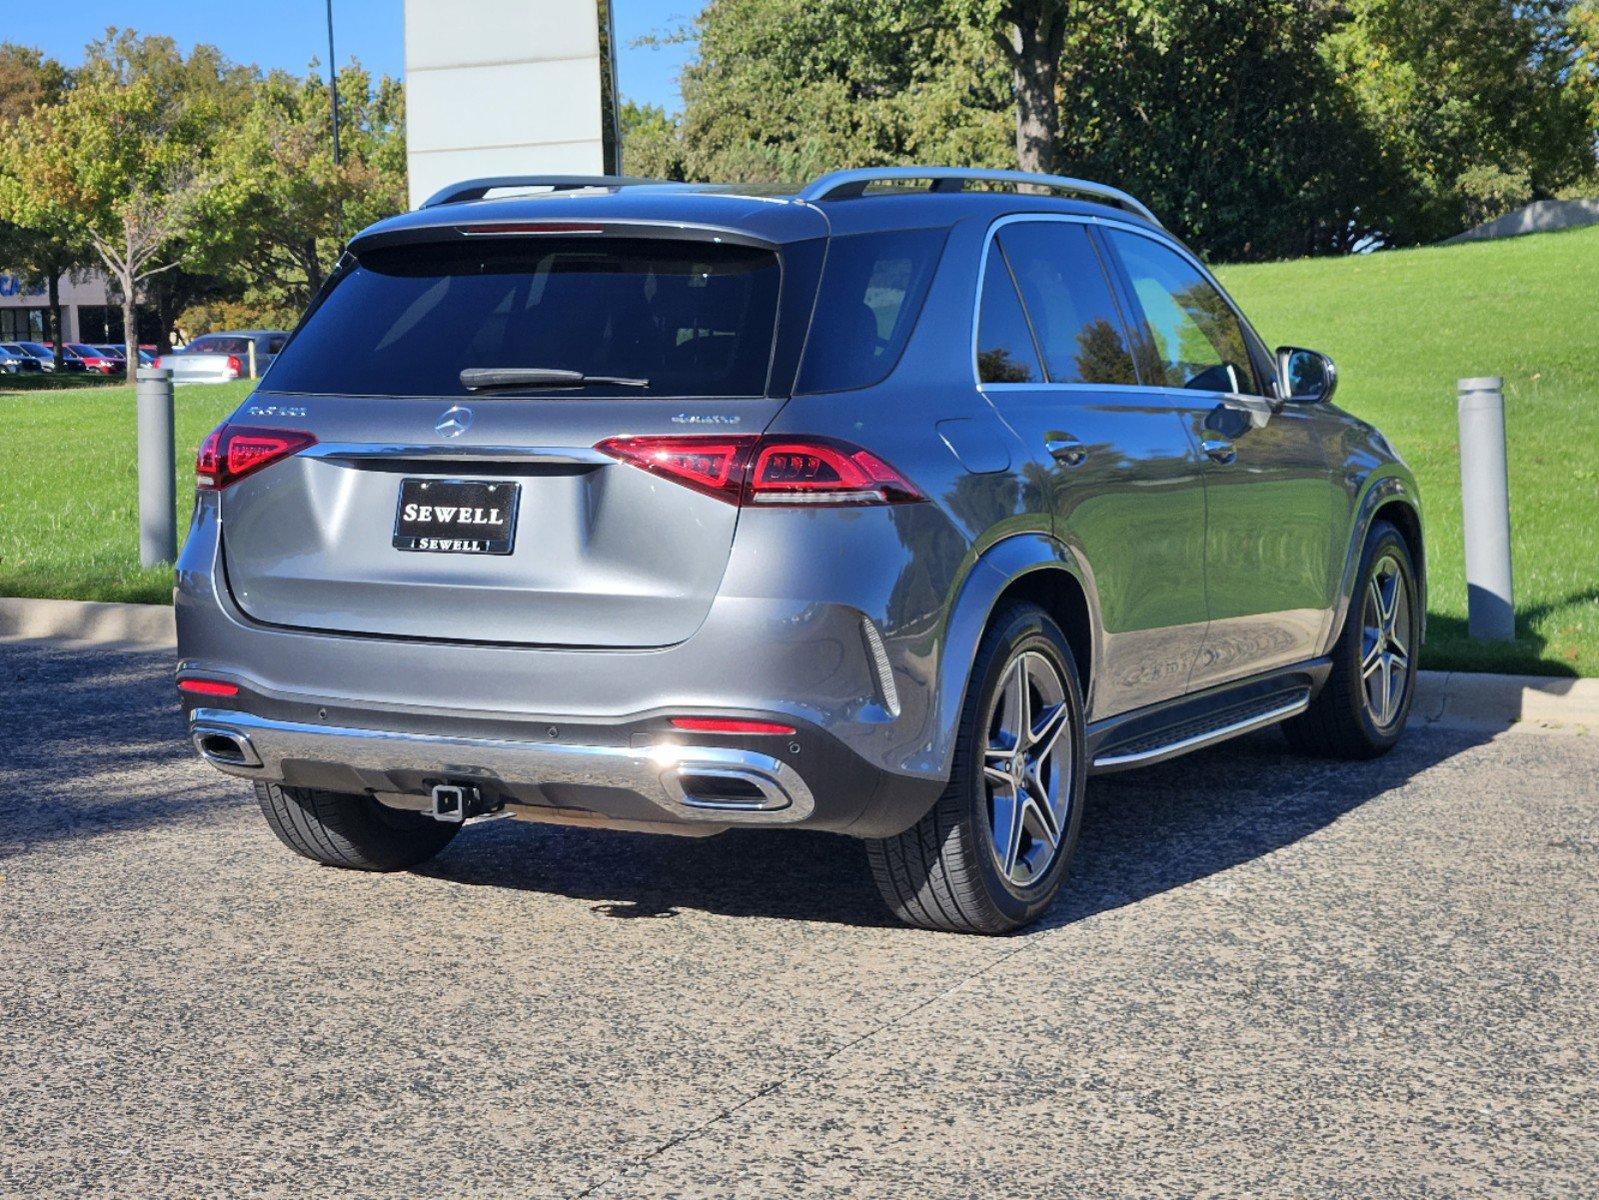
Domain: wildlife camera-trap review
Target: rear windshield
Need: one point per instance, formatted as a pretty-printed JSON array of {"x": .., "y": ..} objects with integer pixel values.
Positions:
[
  {"x": 690, "y": 318},
  {"x": 218, "y": 345}
]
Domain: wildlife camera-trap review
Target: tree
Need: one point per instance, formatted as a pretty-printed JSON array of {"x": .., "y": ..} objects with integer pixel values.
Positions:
[
  {"x": 28, "y": 80},
  {"x": 290, "y": 207},
  {"x": 1471, "y": 102},
  {"x": 115, "y": 166}
]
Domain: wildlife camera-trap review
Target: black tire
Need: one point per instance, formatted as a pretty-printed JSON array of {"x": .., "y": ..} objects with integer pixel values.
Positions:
[
  {"x": 350, "y": 831},
  {"x": 1340, "y": 722},
  {"x": 943, "y": 873}
]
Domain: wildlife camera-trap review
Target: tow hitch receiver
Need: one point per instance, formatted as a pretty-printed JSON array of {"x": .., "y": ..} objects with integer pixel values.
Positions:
[{"x": 460, "y": 804}]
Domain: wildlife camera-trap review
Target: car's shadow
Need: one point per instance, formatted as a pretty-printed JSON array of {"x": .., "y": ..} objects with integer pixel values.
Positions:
[
  {"x": 110, "y": 718},
  {"x": 1143, "y": 832}
]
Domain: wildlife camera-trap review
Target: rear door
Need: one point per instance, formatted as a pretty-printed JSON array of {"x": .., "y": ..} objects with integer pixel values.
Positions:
[
  {"x": 1271, "y": 484},
  {"x": 1115, "y": 466},
  {"x": 384, "y": 527}
]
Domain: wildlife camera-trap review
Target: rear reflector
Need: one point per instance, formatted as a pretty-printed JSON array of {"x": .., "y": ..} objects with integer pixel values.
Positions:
[
  {"x": 208, "y": 687},
  {"x": 230, "y": 452},
  {"x": 747, "y": 469},
  {"x": 725, "y": 725}
]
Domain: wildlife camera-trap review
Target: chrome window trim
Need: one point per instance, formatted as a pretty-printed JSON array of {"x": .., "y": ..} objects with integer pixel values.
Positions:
[{"x": 1159, "y": 237}]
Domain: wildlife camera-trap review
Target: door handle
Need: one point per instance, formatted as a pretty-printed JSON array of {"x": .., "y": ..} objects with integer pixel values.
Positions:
[
  {"x": 1220, "y": 451},
  {"x": 1064, "y": 448}
]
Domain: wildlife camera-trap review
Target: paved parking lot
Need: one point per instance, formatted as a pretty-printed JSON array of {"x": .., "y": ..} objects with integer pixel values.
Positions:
[{"x": 1269, "y": 978}]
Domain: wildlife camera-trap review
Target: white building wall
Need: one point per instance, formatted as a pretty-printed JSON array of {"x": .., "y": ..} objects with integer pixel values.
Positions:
[{"x": 501, "y": 87}]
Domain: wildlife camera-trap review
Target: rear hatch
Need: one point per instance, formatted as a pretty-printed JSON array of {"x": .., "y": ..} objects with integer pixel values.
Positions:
[{"x": 432, "y": 509}]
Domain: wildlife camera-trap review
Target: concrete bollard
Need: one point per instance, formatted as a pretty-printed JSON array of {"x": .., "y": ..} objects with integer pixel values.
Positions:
[
  {"x": 158, "y": 517},
  {"x": 1485, "y": 509}
]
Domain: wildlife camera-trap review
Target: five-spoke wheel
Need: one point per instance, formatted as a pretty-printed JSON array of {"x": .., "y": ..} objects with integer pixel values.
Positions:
[{"x": 1024, "y": 766}]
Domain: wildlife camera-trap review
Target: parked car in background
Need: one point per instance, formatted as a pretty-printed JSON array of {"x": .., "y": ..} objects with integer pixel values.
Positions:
[
  {"x": 16, "y": 362},
  {"x": 70, "y": 359},
  {"x": 41, "y": 354},
  {"x": 97, "y": 359},
  {"x": 223, "y": 357},
  {"x": 886, "y": 511}
]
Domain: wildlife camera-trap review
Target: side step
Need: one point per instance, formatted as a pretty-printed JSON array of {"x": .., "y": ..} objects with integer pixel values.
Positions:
[{"x": 1146, "y": 747}]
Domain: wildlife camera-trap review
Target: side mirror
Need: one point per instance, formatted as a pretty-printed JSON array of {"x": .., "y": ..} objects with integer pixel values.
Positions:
[{"x": 1304, "y": 376}]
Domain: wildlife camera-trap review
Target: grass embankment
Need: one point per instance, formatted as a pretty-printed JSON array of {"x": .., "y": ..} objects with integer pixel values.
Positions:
[{"x": 1404, "y": 326}]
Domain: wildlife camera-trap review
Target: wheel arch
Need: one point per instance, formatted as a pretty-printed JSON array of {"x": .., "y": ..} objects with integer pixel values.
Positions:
[
  {"x": 1392, "y": 498},
  {"x": 1026, "y": 567}
]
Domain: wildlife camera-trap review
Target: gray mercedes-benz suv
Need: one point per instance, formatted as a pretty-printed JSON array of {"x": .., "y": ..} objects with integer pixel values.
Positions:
[{"x": 894, "y": 507}]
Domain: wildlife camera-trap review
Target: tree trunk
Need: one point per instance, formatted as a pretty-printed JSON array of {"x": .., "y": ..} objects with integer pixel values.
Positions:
[
  {"x": 1033, "y": 43},
  {"x": 313, "y": 270},
  {"x": 57, "y": 336},
  {"x": 130, "y": 327}
]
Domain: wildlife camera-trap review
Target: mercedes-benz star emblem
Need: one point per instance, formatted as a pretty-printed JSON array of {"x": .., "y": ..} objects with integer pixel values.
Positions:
[{"x": 454, "y": 422}]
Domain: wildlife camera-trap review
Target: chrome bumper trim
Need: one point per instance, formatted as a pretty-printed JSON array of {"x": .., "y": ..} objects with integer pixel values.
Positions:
[{"x": 657, "y": 773}]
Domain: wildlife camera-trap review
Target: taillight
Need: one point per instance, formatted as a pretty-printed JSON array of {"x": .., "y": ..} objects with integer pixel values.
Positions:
[
  {"x": 235, "y": 367},
  {"x": 821, "y": 471},
  {"x": 230, "y": 452},
  {"x": 769, "y": 470},
  {"x": 713, "y": 465}
]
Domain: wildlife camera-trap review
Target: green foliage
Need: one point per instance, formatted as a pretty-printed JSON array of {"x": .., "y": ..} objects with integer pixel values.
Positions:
[
  {"x": 1257, "y": 128},
  {"x": 1471, "y": 103},
  {"x": 207, "y": 187}
]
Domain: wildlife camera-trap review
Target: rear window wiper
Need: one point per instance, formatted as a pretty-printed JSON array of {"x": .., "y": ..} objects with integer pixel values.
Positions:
[{"x": 487, "y": 379}]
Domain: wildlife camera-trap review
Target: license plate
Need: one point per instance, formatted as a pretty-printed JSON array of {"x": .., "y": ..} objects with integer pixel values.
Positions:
[{"x": 456, "y": 516}]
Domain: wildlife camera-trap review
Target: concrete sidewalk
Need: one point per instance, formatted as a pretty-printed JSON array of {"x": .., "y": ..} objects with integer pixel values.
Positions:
[{"x": 1447, "y": 699}]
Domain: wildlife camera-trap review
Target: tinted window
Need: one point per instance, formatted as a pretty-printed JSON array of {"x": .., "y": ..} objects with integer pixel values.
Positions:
[
  {"x": 872, "y": 291},
  {"x": 1069, "y": 300},
  {"x": 1005, "y": 350},
  {"x": 217, "y": 345},
  {"x": 275, "y": 344},
  {"x": 693, "y": 318},
  {"x": 1194, "y": 335}
]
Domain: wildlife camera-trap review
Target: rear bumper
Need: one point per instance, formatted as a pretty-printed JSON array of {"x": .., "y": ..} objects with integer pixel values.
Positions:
[{"x": 693, "y": 783}]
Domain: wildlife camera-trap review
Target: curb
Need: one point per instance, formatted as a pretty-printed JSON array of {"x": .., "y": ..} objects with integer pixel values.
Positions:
[
  {"x": 1444, "y": 699},
  {"x": 89, "y": 623}
]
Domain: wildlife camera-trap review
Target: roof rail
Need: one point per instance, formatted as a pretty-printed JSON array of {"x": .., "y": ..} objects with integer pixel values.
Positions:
[
  {"x": 843, "y": 185},
  {"x": 476, "y": 189}
]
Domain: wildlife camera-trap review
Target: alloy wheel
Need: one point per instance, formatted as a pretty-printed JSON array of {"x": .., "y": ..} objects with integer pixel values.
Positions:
[
  {"x": 1385, "y": 641},
  {"x": 1027, "y": 766}
]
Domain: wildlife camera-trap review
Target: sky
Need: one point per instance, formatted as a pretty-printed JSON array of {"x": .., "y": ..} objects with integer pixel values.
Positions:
[{"x": 289, "y": 33}]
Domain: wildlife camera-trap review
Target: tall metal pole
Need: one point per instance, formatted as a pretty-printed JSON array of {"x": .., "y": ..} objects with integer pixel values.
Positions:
[
  {"x": 333, "y": 84},
  {"x": 158, "y": 520},
  {"x": 1485, "y": 509}
]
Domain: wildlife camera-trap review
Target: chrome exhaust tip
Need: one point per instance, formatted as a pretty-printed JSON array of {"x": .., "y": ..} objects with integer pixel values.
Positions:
[
  {"x": 223, "y": 747},
  {"x": 712, "y": 786}
]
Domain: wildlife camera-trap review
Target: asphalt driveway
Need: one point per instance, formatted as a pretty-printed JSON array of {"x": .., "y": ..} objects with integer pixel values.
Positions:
[{"x": 1269, "y": 978}]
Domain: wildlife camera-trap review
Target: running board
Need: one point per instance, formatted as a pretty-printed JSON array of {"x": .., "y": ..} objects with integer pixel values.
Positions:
[{"x": 1196, "y": 733}]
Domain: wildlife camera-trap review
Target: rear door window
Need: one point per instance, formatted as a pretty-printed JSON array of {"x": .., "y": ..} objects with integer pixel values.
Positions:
[
  {"x": 691, "y": 318},
  {"x": 1068, "y": 298},
  {"x": 1195, "y": 340},
  {"x": 872, "y": 290},
  {"x": 1005, "y": 349}
]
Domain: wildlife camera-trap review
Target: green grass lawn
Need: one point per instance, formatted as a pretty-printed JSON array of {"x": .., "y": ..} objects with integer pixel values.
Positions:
[
  {"x": 1404, "y": 326},
  {"x": 69, "y": 515}
]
